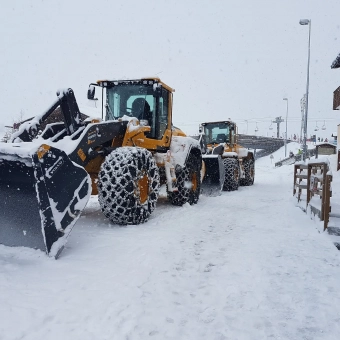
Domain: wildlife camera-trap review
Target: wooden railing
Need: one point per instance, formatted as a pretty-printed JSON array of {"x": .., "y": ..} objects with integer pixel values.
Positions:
[{"x": 315, "y": 179}]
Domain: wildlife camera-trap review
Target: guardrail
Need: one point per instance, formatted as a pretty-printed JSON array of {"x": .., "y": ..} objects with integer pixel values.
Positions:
[
  {"x": 316, "y": 180},
  {"x": 295, "y": 158},
  {"x": 259, "y": 142}
]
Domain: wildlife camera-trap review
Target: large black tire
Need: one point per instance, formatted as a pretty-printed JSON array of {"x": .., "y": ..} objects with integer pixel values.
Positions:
[
  {"x": 128, "y": 185},
  {"x": 249, "y": 172},
  {"x": 232, "y": 174},
  {"x": 188, "y": 182}
]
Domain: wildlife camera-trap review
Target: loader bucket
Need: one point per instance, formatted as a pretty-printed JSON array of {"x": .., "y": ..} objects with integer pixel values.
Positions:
[
  {"x": 214, "y": 175},
  {"x": 41, "y": 197}
]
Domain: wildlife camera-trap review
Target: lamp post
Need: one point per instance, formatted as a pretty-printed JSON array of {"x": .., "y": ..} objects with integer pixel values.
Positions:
[
  {"x": 304, "y": 154},
  {"x": 286, "y": 127}
]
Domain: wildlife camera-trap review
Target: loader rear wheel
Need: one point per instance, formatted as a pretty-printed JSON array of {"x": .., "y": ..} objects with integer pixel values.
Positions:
[
  {"x": 188, "y": 182},
  {"x": 232, "y": 174},
  {"x": 128, "y": 185},
  {"x": 194, "y": 164},
  {"x": 249, "y": 172}
]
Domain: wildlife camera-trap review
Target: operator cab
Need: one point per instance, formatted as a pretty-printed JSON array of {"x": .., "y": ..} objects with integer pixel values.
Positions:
[
  {"x": 146, "y": 99},
  {"x": 218, "y": 132}
]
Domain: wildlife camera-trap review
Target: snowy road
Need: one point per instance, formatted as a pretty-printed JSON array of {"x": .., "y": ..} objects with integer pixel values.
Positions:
[{"x": 244, "y": 265}]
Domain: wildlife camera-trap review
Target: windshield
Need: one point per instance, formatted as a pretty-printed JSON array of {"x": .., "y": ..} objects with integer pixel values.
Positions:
[
  {"x": 216, "y": 132},
  {"x": 120, "y": 100},
  {"x": 139, "y": 100}
]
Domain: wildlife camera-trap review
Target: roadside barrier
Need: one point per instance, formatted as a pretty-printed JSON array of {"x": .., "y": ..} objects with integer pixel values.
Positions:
[
  {"x": 295, "y": 158},
  {"x": 312, "y": 183}
]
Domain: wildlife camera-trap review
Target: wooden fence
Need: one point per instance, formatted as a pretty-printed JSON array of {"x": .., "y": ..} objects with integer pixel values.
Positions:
[{"x": 315, "y": 180}]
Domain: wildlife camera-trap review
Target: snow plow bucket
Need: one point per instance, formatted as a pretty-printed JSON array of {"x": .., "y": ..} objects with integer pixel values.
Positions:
[
  {"x": 42, "y": 194},
  {"x": 214, "y": 175}
]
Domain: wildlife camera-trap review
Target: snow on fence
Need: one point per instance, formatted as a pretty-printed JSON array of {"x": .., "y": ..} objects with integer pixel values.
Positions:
[{"x": 315, "y": 179}]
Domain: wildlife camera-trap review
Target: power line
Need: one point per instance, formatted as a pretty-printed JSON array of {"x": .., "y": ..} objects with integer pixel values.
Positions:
[{"x": 260, "y": 120}]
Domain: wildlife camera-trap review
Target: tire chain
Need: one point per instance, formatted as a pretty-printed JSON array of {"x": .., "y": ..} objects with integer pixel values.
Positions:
[
  {"x": 181, "y": 196},
  {"x": 184, "y": 193},
  {"x": 230, "y": 184},
  {"x": 118, "y": 193},
  {"x": 248, "y": 180}
]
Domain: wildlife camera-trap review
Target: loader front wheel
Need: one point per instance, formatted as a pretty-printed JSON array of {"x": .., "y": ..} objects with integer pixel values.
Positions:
[
  {"x": 249, "y": 172},
  {"x": 188, "y": 182},
  {"x": 232, "y": 174},
  {"x": 128, "y": 185}
]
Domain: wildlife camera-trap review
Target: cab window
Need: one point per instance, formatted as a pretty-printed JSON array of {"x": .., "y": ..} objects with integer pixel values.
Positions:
[{"x": 216, "y": 133}]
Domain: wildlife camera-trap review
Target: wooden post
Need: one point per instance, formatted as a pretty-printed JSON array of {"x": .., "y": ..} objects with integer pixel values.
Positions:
[
  {"x": 295, "y": 170},
  {"x": 309, "y": 171},
  {"x": 324, "y": 189},
  {"x": 327, "y": 199}
]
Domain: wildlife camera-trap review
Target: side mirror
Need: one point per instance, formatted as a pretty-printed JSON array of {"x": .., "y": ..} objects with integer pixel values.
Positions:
[{"x": 91, "y": 92}]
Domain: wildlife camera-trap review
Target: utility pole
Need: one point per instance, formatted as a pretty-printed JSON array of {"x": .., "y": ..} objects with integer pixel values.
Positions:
[
  {"x": 303, "y": 109},
  {"x": 286, "y": 128},
  {"x": 277, "y": 121},
  {"x": 304, "y": 154}
]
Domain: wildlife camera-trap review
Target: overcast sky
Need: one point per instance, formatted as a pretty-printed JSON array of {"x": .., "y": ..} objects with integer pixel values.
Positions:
[{"x": 233, "y": 59}]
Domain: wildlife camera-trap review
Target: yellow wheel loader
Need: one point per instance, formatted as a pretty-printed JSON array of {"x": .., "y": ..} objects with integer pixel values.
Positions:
[
  {"x": 58, "y": 159},
  {"x": 227, "y": 164}
]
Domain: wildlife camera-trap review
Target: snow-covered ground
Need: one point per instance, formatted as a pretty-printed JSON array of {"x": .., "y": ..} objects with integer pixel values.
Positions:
[{"x": 248, "y": 264}]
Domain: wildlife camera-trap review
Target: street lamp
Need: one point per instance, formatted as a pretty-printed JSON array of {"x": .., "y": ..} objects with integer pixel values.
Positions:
[
  {"x": 286, "y": 127},
  {"x": 304, "y": 154}
]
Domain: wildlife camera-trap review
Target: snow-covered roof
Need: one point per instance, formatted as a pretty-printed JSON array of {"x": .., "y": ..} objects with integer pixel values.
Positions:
[{"x": 336, "y": 62}]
